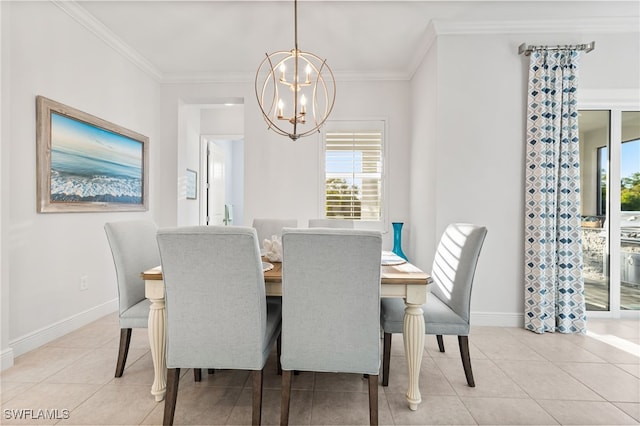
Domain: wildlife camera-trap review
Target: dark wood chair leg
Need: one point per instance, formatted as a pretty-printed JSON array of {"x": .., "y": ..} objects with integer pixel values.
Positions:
[
  {"x": 287, "y": 378},
  {"x": 197, "y": 375},
  {"x": 463, "y": 342},
  {"x": 278, "y": 353},
  {"x": 173, "y": 378},
  {"x": 373, "y": 400},
  {"x": 125, "y": 339},
  {"x": 386, "y": 359},
  {"x": 440, "y": 342},
  {"x": 256, "y": 410}
]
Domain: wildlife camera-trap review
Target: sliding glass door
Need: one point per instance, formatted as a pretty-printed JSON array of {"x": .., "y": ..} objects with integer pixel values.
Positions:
[
  {"x": 630, "y": 211},
  {"x": 594, "y": 170},
  {"x": 610, "y": 188}
]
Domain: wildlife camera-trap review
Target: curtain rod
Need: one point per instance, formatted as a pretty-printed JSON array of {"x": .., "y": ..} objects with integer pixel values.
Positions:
[{"x": 523, "y": 48}]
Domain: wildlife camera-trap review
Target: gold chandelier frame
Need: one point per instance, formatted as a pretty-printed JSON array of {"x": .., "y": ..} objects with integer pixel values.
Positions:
[{"x": 321, "y": 88}]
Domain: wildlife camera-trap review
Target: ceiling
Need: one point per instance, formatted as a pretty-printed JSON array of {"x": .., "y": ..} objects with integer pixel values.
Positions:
[{"x": 227, "y": 40}]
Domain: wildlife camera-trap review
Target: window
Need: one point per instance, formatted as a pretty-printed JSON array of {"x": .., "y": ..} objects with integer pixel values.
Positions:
[{"x": 353, "y": 170}]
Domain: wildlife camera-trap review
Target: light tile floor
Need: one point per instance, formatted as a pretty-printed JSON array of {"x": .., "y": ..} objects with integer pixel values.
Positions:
[{"x": 521, "y": 379}]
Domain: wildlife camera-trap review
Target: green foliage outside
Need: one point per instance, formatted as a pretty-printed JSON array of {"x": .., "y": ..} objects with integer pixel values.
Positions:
[
  {"x": 342, "y": 199},
  {"x": 630, "y": 193}
]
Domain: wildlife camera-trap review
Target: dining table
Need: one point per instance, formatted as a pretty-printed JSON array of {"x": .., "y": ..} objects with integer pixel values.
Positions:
[{"x": 400, "y": 280}]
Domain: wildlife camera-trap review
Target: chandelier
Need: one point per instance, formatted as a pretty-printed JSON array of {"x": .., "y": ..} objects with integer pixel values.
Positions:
[{"x": 295, "y": 89}]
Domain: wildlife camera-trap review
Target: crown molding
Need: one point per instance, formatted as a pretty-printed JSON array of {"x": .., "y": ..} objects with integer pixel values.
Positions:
[
  {"x": 583, "y": 25},
  {"x": 87, "y": 20},
  {"x": 428, "y": 39}
]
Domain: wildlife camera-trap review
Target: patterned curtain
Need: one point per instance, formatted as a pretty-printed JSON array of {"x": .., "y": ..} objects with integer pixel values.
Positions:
[{"x": 554, "y": 283}]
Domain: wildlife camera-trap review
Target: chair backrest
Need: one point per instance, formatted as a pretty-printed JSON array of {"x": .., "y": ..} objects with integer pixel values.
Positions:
[
  {"x": 215, "y": 296},
  {"x": 455, "y": 264},
  {"x": 267, "y": 228},
  {"x": 134, "y": 249},
  {"x": 331, "y": 300},
  {"x": 331, "y": 223}
]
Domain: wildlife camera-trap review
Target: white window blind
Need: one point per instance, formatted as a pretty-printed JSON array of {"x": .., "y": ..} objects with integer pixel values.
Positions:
[{"x": 353, "y": 174}]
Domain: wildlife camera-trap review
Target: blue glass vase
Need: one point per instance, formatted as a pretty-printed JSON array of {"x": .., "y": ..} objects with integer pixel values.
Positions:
[{"x": 397, "y": 240}]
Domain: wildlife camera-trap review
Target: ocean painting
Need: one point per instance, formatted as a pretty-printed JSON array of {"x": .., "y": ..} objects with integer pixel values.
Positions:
[{"x": 92, "y": 164}]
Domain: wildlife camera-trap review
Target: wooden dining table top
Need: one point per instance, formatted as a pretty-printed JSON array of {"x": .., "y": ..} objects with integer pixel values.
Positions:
[{"x": 405, "y": 273}]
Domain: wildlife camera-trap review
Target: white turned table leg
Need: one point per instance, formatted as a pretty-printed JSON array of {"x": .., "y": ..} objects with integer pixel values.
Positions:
[
  {"x": 157, "y": 338},
  {"x": 413, "y": 334}
]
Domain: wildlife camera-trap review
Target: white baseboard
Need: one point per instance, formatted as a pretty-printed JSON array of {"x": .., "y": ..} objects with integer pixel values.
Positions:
[
  {"x": 497, "y": 319},
  {"x": 6, "y": 359},
  {"x": 51, "y": 332}
]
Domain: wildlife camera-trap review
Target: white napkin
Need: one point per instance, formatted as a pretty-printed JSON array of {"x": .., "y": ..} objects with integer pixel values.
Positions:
[
  {"x": 390, "y": 258},
  {"x": 273, "y": 249}
]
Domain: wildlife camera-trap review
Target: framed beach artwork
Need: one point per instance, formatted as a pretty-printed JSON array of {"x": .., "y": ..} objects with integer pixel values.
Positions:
[{"x": 87, "y": 164}]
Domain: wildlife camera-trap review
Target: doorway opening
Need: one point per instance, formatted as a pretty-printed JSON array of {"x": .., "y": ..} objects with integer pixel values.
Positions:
[{"x": 223, "y": 180}]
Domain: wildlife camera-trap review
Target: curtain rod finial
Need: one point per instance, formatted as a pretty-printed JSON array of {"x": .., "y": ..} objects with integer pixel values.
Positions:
[{"x": 522, "y": 49}]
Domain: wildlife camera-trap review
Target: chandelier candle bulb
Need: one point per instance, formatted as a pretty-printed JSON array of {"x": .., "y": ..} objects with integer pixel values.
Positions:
[
  {"x": 283, "y": 68},
  {"x": 280, "y": 109},
  {"x": 308, "y": 79}
]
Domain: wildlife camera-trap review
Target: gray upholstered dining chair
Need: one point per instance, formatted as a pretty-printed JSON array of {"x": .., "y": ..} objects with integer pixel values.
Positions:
[
  {"x": 331, "y": 306},
  {"x": 447, "y": 311},
  {"x": 331, "y": 223},
  {"x": 267, "y": 228},
  {"x": 134, "y": 249},
  {"x": 216, "y": 309}
]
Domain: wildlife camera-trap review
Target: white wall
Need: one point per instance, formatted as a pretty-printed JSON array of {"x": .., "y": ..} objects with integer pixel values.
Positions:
[
  {"x": 222, "y": 119},
  {"x": 480, "y": 138},
  {"x": 424, "y": 177},
  {"x": 188, "y": 158},
  {"x": 6, "y": 353},
  {"x": 46, "y": 52}
]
